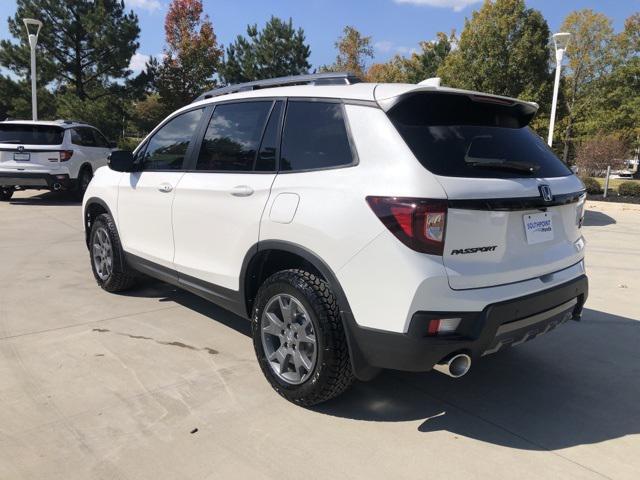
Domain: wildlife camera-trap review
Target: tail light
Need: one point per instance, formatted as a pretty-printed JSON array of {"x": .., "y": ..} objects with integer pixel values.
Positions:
[
  {"x": 65, "y": 155},
  {"x": 419, "y": 223}
]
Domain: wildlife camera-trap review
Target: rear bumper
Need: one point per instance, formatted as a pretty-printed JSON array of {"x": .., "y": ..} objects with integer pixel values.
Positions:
[
  {"x": 480, "y": 333},
  {"x": 26, "y": 180}
]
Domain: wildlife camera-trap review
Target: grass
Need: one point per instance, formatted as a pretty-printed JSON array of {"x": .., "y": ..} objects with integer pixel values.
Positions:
[{"x": 615, "y": 182}]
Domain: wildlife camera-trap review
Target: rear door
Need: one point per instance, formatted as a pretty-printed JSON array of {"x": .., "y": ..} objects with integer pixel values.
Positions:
[
  {"x": 95, "y": 147},
  {"x": 514, "y": 209},
  {"x": 220, "y": 200},
  {"x": 30, "y": 148}
]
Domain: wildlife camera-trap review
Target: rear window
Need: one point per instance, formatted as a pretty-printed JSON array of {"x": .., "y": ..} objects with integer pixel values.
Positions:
[
  {"x": 31, "y": 134},
  {"x": 456, "y": 136}
]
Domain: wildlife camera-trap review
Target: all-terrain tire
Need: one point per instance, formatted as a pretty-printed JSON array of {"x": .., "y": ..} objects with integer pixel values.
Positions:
[
  {"x": 84, "y": 177},
  {"x": 332, "y": 373},
  {"x": 6, "y": 194},
  {"x": 122, "y": 277}
]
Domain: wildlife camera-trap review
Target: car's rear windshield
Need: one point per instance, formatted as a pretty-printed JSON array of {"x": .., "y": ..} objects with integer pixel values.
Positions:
[
  {"x": 459, "y": 136},
  {"x": 31, "y": 134}
]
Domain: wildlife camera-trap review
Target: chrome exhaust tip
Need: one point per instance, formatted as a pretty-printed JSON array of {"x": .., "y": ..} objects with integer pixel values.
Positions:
[
  {"x": 455, "y": 366},
  {"x": 57, "y": 186}
]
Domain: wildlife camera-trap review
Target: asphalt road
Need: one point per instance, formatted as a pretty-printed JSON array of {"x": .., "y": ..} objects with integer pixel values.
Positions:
[{"x": 158, "y": 384}]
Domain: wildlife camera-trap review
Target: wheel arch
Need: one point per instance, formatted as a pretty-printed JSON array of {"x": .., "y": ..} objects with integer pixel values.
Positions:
[
  {"x": 269, "y": 256},
  {"x": 93, "y": 207}
]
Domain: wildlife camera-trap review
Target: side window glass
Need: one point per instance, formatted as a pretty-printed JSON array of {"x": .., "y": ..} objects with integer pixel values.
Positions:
[
  {"x": 168, "y": 146},
  {"x": 266, "y": 161},
  {"x": 315, "y": 136},
  {"x": 86, "y": 137},
  {"x": 76, "y": 139},
  {"x": 233, "y": 136},
  {"x": 100, "y": 141}
]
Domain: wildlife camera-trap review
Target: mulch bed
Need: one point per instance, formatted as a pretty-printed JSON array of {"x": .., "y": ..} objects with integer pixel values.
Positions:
[{"x": 613, "y": 198}]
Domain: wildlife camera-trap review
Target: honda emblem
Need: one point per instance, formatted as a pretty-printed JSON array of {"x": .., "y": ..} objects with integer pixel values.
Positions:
[{"x": 545, "y": 192}]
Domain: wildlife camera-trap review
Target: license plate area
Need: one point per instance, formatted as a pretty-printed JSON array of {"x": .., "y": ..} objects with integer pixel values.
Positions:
[
  {"x": 538, "y": 227},
  {"x": 21, "y": 157}
]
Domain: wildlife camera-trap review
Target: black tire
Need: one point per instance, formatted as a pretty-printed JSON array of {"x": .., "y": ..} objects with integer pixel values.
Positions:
[
  {"x": 6, "y": 193},
  {"x": 332, "y": 373},
  {"x": 84, "y": 177},
  {"x": 121, "y": 277}
]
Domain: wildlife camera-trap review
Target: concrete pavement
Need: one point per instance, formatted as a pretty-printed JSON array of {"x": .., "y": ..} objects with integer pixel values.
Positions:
[{"x": 159, "y": 384}]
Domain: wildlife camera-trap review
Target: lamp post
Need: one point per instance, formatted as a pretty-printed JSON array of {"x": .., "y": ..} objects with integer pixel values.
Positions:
[
  {"x": 33, "y": 40},
  {"x": 560, "y": 41}
]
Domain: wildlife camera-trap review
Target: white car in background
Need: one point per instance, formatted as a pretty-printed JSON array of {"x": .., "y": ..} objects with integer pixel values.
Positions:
[
  {"x": 57, "y": 155},
  {"x": 359, "y": 226}
]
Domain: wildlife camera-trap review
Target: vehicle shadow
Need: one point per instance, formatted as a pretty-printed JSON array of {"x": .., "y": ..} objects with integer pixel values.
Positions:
[
  {"x": 593, "y": 218},
  {"x": 579, "y": 384},
  {"x": 151, "y": 288},
  {"x": 47, "y": 198}
]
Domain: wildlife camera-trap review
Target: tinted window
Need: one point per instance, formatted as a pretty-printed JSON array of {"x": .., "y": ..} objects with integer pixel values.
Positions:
[
  {"x": 83, "y": 137},
  {"x": 168, "y": 146},
  {"x": 266, "y": 161},
  {"x": 31, "y": 134},
  {"x": 101, "y": 142},
  {"x": 314, "y": 136},
  {"x": 233, "y": 136},
  {"x": 452, "y": 135}
]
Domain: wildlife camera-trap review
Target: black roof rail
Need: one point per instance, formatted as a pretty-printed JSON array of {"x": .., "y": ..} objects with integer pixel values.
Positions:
[{"x": 327, "y": 78}]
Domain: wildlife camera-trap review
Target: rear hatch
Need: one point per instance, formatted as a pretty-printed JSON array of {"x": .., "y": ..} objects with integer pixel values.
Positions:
[
  {"x": 27, "y": 147},
  {"x": 514, "y": 209}
]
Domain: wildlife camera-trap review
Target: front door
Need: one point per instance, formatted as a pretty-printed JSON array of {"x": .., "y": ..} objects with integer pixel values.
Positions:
[{"x": 145, "y": 196}]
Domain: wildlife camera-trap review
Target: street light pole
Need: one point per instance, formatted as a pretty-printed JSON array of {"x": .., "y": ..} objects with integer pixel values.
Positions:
[
  {"x": 33, "y": 40},
  {"x": 560, "y": 41}
]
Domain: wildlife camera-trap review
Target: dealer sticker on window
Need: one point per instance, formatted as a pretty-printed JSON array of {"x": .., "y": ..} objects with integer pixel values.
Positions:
[{"x": 538, "y": 227}]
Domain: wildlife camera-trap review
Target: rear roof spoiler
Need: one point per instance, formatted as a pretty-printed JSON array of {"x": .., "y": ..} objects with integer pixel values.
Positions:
[{"x": 389, "y": 95}]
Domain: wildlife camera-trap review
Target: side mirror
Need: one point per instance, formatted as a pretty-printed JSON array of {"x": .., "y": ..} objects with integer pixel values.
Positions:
[{"x": 121, "y": 161}]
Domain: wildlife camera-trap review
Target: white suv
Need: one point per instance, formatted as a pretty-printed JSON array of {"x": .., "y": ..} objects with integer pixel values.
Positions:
[
  {"x": 59, "y": 155},
  {"x": 359, "y": 226}
]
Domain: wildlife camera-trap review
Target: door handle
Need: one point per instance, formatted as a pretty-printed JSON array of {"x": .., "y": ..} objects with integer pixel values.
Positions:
[
  {"x": 242, "y": 191},
  {"x": 165, "y": 187}
]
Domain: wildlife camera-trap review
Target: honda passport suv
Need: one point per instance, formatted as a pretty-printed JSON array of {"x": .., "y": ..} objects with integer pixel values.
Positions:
[
  {"x": 358, "y": 226},
  {"x": 59, "y": 155}
]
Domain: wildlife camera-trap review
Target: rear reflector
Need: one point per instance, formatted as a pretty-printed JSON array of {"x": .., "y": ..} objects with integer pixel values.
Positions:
[
  {"x": 419, "y": 223},
  {"x": 443, "y": 326}
]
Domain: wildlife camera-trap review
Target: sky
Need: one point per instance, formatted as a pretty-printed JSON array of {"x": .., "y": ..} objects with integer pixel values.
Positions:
[{"x": 396, "y": 26}]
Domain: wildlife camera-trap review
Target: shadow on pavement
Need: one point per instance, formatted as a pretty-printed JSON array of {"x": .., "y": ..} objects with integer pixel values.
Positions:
[
  {"x": 151, "y": 288},
  {"x": 579, "y": 384},
  {"x": 47, "y": 198},
  {"x": 597, "y": 219}
]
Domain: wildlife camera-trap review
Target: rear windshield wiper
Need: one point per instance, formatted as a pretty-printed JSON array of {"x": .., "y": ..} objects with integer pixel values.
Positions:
[{"x": 505, "y": 165}]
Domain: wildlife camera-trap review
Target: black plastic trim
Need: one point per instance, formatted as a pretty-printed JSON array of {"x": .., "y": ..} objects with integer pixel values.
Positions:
[{"x": 514, "y": 204}]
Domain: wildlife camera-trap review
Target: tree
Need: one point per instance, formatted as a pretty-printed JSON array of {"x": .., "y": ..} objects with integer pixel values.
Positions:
[
  {"x": 503, "y": 50},
  {"x": 278, "y": 50},
  {"x": 593, "y": 156},
  {"x": 86, "y": 45},
  {"x": 589, "y": 56},
  {"x": 419, "y": 66},
  {"x": 353, "y": 50},
  {"x": 191, "y": 57}
]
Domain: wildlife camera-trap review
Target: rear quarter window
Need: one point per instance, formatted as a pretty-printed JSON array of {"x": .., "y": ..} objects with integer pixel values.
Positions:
[
  {"x": 453, "y": 135},
  {"x": 315, "y": 137},
  {"x": 31, "y": 134}
]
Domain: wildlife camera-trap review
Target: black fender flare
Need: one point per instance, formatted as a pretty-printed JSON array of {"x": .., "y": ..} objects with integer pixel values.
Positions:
[{"x": 361, "y": 368}]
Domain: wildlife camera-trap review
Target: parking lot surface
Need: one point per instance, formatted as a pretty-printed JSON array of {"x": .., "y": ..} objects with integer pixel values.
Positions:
[{"x": 157, "y": 383}]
